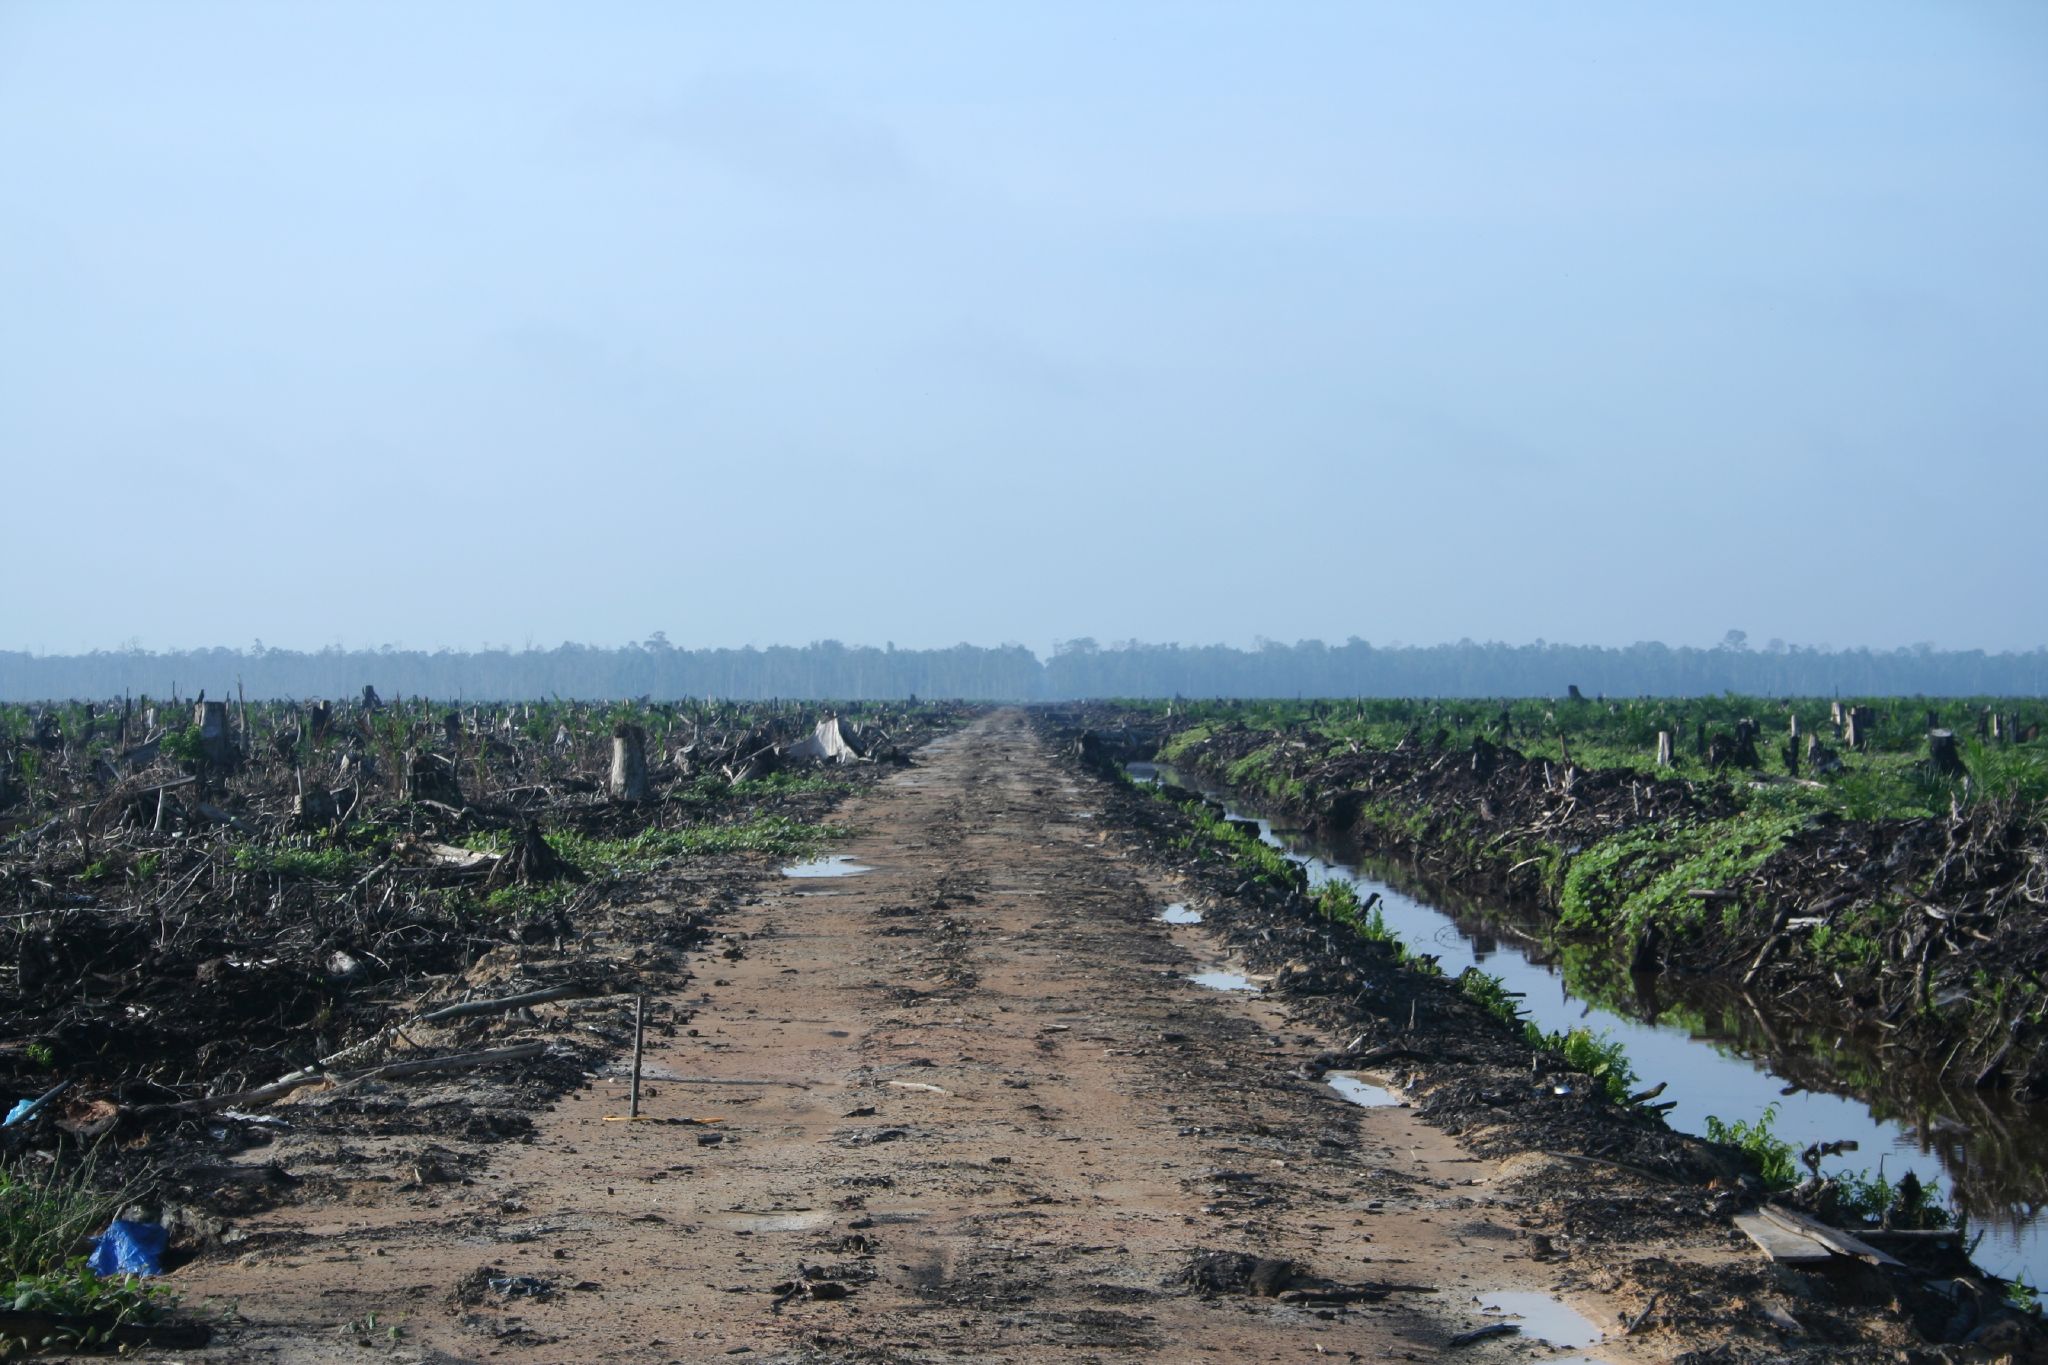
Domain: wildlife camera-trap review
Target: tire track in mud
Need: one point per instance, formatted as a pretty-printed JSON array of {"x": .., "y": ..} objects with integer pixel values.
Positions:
[{"x": 966, "y": 1104}]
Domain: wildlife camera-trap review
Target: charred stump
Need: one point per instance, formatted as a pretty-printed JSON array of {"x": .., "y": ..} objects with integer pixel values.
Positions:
[
  {"x": 216, "y": 745},
  {"x": 431, "y": 777},
  {"x": 313, "y": 810},
  {"x": 1862, "y": 721},
  {"x": 1942, "y": 754},
  {"x": 533, "y": 859}
]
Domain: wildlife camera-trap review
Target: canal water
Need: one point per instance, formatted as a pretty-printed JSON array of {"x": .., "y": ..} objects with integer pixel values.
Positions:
[{"x": 1726, "y": 1061}]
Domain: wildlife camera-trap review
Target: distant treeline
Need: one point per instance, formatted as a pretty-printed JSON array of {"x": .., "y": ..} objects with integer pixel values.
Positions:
[{"x": 1077, "y": 669}]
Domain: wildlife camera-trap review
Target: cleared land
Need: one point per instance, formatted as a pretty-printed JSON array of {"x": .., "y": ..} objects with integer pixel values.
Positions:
[{"x": 964, "y": 1105}]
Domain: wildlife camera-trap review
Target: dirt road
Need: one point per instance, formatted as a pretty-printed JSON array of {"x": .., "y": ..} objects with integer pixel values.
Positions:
[{"x": 965, "y": 1105}]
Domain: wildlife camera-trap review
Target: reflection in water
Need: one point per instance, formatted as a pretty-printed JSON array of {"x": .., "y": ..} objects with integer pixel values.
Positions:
[
  {"x": 1363, "y": 1093},
  {"x": 1542, "y": 1317},
  {"x": 1726, "y": 1054},
  {"x": 832, "y": 865},
  {"x": 1225, "y": 981}
]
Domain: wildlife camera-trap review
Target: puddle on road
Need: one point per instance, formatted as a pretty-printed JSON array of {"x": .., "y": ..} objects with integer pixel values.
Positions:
[
  {"x": 1541, "y": 1317},
  {"x": 1363, "y": 1093},
  {"x": 1180, "y": 914},
  {"x": 794, "y": 1220},
  {"x": 832, "y": 865},
  {"x": 1225, "y": 981}
]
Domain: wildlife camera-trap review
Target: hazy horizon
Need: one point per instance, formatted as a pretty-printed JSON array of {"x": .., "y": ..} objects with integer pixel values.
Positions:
[
  {"x": 1748, "y": 642},
  {"x": 503, "y": 323}
]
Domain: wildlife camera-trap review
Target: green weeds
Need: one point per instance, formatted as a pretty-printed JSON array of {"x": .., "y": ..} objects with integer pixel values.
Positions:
[
  {"x": 775, "y": 835},
  {"x": 1646, "y": 876},
  {"x": 1771, "y": 1153},
  {"x": 47, "y": 1212},
  {"x": 329, "y": 864}
]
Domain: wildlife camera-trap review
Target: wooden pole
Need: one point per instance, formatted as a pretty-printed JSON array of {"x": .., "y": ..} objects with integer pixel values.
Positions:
[{"x": 639, "y": 1036}]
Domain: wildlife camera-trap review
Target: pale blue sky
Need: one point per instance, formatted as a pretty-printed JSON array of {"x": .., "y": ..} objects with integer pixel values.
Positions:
[{"x": 464, "y": 323}]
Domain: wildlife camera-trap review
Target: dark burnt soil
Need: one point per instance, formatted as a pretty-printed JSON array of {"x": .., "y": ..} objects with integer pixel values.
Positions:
[
  {"x": 1953, "y": 905},
  {"x": 191, "y": 968},
  {"x": 1616, "y": 1176}
]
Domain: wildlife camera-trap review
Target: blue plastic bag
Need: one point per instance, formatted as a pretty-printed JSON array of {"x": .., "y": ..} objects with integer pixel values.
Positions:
[
  {"x": 21, "y": 1110},
  {"x": 127, "y": 1248}
]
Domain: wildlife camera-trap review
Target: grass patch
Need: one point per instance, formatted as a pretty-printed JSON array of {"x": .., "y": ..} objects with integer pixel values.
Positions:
[
  {"x": 47, "y": 1212},
  {"x": 304, "y": 864},
  {"x": 775, "y": 835}
]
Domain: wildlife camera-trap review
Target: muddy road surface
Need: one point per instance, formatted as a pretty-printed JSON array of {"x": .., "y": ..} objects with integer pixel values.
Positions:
[{"x": 966, "y": 1104}]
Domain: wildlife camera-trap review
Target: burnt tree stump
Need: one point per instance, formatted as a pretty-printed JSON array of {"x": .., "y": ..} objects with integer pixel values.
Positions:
[
  {"x": 1942, "y": 753},
  {"x": 216, "y": 745}
]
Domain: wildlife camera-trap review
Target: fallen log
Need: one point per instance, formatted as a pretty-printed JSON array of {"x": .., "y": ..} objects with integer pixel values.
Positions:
[
  {"x": 505, "y": 1002},
  {"x": 1337, "y": 1295},
  {"x": 277, "y": 1090}
]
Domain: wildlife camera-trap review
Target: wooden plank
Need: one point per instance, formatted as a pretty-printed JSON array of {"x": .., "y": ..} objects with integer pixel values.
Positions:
[
  {"x": 1833, "y": 1238},
  {"x": 1789, "y": 1248}
]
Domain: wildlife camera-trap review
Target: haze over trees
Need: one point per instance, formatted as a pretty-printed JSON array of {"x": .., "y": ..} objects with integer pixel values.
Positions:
[{"x": 1077, "y": 669}]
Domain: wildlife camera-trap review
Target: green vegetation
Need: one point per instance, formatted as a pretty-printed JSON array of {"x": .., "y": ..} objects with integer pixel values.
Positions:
[
  {"x": 1591, "y": 1054},
  {"x": 47, "y": 1212},
  {"x": 306, "y": 862},
  {"x": 99, "y": 1308},
  {"x": 1693, "y": 858},
  {"x": 1888, "y": 780},
  {"x": 1771, "y": 1153},
  {"x": 1645, "y": 875},
  {"x": 775, "y": 835}
]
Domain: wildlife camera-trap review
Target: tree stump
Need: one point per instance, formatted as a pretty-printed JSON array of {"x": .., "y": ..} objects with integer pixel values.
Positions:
[
  {"x": 1862, "y": 720},
  {"x": 1820, "y": 759},
  {"x": 431, "y": 777},
  {"x": 1942, "y": 754},
  {"x": 1664, "y": 749},
  {"x": 323, "y": 720},
  {"x": 313, "y": 810},
  {"x": 371, "y": 702},
  {"x": 533, "y": 859},
  {"x": 216, "y": 745},
  {"x": 629, "y": 763}
]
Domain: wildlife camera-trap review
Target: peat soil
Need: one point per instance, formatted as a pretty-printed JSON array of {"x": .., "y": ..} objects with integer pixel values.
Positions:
[
  {"x": 969, "y": 1103},
  {"x": 1954, "y": 906},
  {"x": 234, "y": 1040}
]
